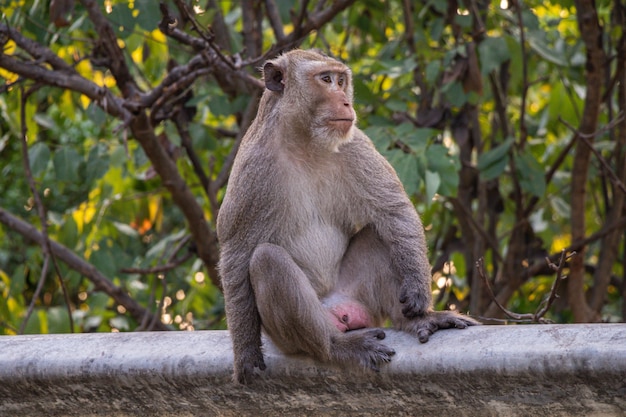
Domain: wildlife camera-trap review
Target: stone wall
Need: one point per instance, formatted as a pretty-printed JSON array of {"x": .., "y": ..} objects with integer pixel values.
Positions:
[{"x": 538, "y": 370}]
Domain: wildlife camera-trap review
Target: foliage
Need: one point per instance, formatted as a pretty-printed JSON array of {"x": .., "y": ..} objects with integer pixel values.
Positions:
[{"x": 132, "y": 114}]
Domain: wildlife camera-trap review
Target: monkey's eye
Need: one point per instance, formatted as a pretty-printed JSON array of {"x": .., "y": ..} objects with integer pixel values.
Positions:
[
  {"x": 341, "y": 81},
  {"x": 327, "y": 79}
]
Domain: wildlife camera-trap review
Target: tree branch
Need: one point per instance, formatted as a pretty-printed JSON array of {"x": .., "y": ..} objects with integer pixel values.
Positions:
[
  {"x": 41, "y": 211},
  {"x": 74, "y": 82},
  {"x": 273, "y": 15},
  {"x": 108, "y": 45},
  {"x": 72, "y": 260}
]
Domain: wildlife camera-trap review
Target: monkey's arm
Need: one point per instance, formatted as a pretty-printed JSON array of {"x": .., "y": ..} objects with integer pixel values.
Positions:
[
  {"x": 236, "y": 234},
  {"x": 388, "y": 209},
  {"x": 244, "y": 322}
]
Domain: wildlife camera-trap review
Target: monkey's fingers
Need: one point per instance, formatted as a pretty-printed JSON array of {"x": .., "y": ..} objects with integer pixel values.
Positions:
[
  {"x": 415, "y": 303},
  {"x": 426, "y": 328},
  {"x": 244, "y": 369}
]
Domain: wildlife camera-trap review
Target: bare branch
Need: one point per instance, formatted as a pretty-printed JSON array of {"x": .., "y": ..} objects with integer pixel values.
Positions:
[
  {"x": 515, "y": 316},
  {"x": 547, "y": 303},
  {"x": 544, "y": 306},
  {"x": 526, "y": 85},
  {"x": 74, "y": 82},
  {"x": 585, "y": 138},
  {"x": 273, "y": 15},
  {"x": 107, "y": 45},
  {"x": 43, "y": 218},
  {"x": 181, "y": 194},
  {"x": 247, "y": 119},
  {"x": 483, "y": 233},
  {"x": 72, "y": 260},
  {"x": 159, "y": 269},
  {"x": 39, "y": 52}
]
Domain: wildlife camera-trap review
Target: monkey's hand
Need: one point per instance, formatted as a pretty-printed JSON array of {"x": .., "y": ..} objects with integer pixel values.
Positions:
[
  {"x": 246, "y": 362},
  {"x": 428, "y": 324},
  {"x": 416, "y": 301}
]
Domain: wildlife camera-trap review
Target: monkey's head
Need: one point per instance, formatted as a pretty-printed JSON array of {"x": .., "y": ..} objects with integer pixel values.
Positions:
[{"x": 311, "y": 94}]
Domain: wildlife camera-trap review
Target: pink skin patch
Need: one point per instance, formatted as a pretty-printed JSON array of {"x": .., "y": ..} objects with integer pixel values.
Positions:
[{"x": 349, "y": 315}]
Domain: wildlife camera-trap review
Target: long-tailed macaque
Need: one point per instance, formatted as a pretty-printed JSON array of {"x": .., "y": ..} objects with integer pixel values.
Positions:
[{"x": 318, "y": 237}]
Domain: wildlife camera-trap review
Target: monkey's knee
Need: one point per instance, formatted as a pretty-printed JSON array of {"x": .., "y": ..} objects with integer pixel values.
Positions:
[{"x": 265, "y": 257}]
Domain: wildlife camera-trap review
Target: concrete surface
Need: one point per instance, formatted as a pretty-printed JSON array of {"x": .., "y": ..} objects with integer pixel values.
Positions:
[{"x": 539, "y": 370}]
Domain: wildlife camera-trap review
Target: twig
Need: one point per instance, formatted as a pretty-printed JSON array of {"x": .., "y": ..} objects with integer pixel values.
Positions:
[
  {"x": 159, "y": 269},
  {"x": 208, "y": 38},
  {"x": 157, "y": 315},
  {"x": 176, "y": 89},
  {"x": 550, "y": 174},
  {"x": 544, "y": 306},
  {"x": 41, "y": 211},
  {"x": 246, "y": 120},
  {"x": 101, "y": 283},
  {"x": 585, "y": 138},
  {"x": 40, "y": 283},
  {"x": 547, "y": 303},
  {"x": 526, "y": 86},
  {"x": 479, "y": 229},
  {"x": 516, "y": 316},
  {"x": 274, "y": 17}
]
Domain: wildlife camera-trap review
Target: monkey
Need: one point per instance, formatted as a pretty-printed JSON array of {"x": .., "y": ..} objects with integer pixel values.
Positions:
[{"x": 319, "y": 242}]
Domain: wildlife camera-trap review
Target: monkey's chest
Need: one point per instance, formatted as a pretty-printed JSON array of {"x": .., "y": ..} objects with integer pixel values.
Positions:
[
  {"x": 318, "y": 250},
  {"x": 313, "y": 223}
]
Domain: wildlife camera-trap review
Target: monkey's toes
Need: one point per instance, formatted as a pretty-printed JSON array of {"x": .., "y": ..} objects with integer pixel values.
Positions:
[{"x": 378, "y": 334}]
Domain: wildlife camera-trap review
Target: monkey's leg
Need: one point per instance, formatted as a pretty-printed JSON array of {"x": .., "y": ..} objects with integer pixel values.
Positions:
[
  {"x": 367, "y": 275},
  {"x": 296, "y": 320}
]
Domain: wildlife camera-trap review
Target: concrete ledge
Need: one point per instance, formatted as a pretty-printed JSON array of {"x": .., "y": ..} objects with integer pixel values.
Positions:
[{"x": 556, "y": 370}]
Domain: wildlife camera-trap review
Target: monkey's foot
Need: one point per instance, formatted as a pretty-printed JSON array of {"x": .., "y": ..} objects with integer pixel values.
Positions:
[
  {"x": 428, "y": 324},
  {"x": 245, "y": 363},
  {"x": 362, "y": 347}
]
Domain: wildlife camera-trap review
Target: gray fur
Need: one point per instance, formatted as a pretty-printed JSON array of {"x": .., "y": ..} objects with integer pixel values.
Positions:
[{"x": 311, "y": 210}]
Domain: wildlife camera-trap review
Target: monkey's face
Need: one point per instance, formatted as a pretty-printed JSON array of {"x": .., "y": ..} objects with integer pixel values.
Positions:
[
  {"x": 315, "y": 95},
  {"x": 334, "y": 117}
]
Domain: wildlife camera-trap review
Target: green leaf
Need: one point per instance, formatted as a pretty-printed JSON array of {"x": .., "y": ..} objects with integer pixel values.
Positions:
[
  {"x": 39, "y": 156},
  {"x": 537, "y": 42},
  {"x": 97, "y": 302},
  {"x": 96, "y": 114},
  {"x": 406, "y": 168},
  {"x": 446, "y": 166},
  {"x": 492, "y": 164},
  {"x": 455, "y": 94},
  {"x": 68, "y": 233},
  {"x": 58, "y": 320},
  {"x": 396, "y": 105},
  {"x": 125, "y": 229},
  {"x": 122, "y": 19},
  {"x": 493, "y": 52},
  {"x": 530, "y": 174},
  {"x": 120, "y": 322},
  {"x": 432, "y": 71},
  {"x": 97, "y": 164},
  {"x": 380, "y": 136},
  {"x": 418, "y": 139},
  {"x": 66, "y": 161},
  {"x": 436, "y": 29},
  {"x": 149, "y": 15},
  {"x": 103, "y": 260},
  {"x": 433, "y": 180},
  {"x": 560, "y": 206}
]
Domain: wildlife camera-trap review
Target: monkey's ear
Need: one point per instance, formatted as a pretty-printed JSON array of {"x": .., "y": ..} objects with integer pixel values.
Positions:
[{"x": 273, "y": 77}]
